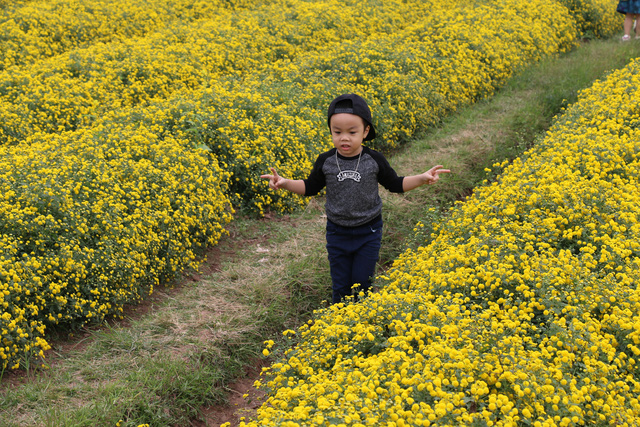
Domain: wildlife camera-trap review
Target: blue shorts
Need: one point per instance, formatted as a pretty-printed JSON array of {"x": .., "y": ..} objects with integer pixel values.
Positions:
[
  {"x": 353, "y": 255},
  {"x": 629, "y": 6}
]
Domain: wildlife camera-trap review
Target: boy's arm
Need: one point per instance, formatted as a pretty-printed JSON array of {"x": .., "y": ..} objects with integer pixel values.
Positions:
[
  {"x": 277, "y": 182},
  {"x": 428, "y": 177}
]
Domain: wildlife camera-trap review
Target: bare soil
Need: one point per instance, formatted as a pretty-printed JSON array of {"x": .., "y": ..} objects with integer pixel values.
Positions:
[{"x": 243, "y": 402}]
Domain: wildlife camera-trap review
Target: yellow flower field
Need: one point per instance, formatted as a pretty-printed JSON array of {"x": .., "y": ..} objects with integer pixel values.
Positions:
[
  {"x": 33, "y": 30},
  {"x": 126, "y": 147},
  {"x": 91, "y": 225},
  {"x": 523, "y": 308}
]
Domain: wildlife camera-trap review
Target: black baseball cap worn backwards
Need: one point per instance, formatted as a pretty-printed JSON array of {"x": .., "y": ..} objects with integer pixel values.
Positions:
[{"x": 352, "y": 104}]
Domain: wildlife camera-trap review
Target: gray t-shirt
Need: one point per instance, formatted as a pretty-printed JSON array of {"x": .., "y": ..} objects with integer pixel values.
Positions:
[{"x": 352, "y": 185}]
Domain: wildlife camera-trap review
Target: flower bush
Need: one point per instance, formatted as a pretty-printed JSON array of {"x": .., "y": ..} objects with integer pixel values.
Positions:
[
  {"x": 522, "y": 309},
  {"x": 595, "y": 18},
  {"x": 94, "y": 220},
  {"x": 125, "y": 145},
  {"x": 33, "y": 30}
]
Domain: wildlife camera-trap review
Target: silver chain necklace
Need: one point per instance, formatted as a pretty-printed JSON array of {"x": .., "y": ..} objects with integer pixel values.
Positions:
[{"x": 348, "y": 174}]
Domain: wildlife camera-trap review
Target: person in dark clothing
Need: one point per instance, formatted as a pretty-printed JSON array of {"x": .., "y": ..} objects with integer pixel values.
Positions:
[{"x": 351, "y": 173}]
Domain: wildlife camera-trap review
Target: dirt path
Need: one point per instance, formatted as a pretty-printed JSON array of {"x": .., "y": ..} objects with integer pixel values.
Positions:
[{"x": 244, "y": 401}]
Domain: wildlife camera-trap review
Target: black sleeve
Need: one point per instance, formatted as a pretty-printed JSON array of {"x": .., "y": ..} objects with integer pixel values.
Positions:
[
  {"x": 316, "y": 180},
  {"x": 387, "y": 176}
]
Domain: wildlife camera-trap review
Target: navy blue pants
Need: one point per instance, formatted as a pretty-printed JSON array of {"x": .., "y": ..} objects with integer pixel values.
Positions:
[{"x": 353, "y": 255}]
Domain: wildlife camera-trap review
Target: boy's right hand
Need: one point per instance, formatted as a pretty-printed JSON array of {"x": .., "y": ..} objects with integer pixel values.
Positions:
[{"x": 275, "y": 180}]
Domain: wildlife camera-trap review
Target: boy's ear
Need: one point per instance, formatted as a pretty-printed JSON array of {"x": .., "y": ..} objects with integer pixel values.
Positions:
[{"x": 366, "y": 130}]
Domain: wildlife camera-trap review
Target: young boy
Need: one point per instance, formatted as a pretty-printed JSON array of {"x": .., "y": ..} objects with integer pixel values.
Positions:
[{"x": 351, "y": 173}]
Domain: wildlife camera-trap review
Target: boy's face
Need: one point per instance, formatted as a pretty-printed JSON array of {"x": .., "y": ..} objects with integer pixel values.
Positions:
[{"x": 347, "y": 132}]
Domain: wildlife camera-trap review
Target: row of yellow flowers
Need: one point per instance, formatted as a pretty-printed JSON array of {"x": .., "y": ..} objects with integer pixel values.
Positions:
[
  {"x": 134, "y": 151},
  {"x": 522, "y": 309},
  {"x": 33, "y": 30},
  {"x": 94, "y": 220},
  {"x": 75, "y": 88}
]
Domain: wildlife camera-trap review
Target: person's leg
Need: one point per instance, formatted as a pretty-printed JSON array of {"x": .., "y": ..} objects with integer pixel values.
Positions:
[
  {"x": 628, "y": 24},
  {"x": 636, "y": 18},
  {"x": 340, "y": 262},
  {"x": 366, "y": 258},
  {"x": 340, "y": 268}
]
